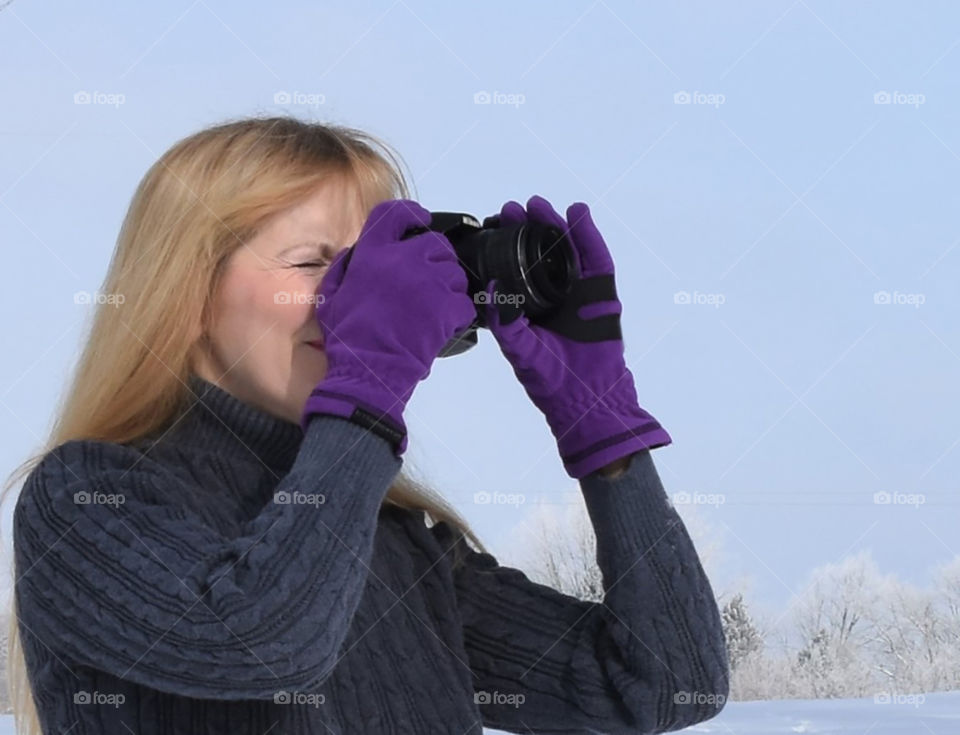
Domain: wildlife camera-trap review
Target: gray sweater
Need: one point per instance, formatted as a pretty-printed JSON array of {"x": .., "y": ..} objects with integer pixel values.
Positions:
[{"x": 237, "y": 576}]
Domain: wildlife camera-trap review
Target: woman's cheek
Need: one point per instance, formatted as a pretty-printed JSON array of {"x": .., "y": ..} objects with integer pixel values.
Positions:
[{"x": 242, "y": 297}]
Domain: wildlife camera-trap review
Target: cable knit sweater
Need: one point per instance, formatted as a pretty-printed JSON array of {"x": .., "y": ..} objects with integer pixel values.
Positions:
[{"x": 239, "y": 576}]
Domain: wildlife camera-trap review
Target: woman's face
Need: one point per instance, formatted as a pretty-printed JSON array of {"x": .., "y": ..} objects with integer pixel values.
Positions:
[{"x": 263, "y": 345}]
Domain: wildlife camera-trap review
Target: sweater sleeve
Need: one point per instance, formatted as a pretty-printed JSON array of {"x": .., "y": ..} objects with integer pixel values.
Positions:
[
  {"x": 143, "y": 588},
  {"x": 649, "y": 658}
]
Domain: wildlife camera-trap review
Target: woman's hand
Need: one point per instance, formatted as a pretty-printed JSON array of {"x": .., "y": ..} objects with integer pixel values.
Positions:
[
  {"x": 571, "y": 364},
  {"x": 387, "y": 306}
]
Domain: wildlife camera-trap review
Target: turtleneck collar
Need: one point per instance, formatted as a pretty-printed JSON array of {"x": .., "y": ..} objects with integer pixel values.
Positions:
[{"x": 217, "y": 421}]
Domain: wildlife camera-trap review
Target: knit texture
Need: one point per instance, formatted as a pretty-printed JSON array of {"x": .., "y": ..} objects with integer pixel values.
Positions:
[{"x": 234, "y": 575}]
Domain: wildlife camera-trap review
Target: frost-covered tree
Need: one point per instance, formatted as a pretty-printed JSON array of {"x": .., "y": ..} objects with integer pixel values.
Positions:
[
  {"x": 834, "y": 621},
  {"x": 742, "y": 636},
  {"x": 946, "y": 610},
  {"x": 560, "y": 548}
]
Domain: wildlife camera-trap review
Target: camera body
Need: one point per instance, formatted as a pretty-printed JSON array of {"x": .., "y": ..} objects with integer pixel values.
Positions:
[{"x": 534, "y": 266}]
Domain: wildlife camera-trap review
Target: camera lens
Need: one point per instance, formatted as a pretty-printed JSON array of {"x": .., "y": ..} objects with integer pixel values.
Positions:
[{"x": 546, "y": 264}]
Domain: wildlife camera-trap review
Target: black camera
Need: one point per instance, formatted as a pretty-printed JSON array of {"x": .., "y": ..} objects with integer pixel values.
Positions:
[{"x": 533, "y": 263}]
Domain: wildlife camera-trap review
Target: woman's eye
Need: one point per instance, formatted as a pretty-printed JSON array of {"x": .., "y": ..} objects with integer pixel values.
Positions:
[{"x": 313, "y": 264}]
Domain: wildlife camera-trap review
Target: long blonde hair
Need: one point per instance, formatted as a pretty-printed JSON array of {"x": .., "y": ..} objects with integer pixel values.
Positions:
[{"x": 198, "y": 203}]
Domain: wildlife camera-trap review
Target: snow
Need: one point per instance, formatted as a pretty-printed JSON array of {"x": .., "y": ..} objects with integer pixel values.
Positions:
[{"x": 919, "y": 714}]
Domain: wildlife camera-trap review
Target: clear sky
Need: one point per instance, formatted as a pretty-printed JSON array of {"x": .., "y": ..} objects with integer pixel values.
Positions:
[{"x": 812, "y": 170}]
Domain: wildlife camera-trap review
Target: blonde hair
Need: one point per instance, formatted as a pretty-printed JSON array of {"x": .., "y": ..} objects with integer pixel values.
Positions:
[{"x": 197, "y": 204}]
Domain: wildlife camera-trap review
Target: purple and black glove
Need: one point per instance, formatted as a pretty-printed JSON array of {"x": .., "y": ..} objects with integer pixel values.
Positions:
[
  {"x": 386, "y": 318},
  {"x": 571, "y": 364}
]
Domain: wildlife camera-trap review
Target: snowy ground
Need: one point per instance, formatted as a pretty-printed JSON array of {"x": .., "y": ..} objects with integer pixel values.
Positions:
[{"x": 927, "y": 714}]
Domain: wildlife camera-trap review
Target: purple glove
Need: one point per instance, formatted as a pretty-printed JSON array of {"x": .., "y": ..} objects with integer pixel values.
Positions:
[
  {"x": 571, "y": 364},
  {"x": 385, "y": 318}
]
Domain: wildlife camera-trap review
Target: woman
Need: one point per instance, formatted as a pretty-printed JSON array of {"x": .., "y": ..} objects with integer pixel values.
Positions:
[{"x": 217, "y": 538}]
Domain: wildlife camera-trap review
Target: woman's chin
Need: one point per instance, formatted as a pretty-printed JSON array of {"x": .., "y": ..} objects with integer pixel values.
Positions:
[{"x": 313, "y": 366}]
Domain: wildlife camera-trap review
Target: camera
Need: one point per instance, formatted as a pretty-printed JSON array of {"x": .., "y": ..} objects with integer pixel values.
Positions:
[{"x": 533, "y": 263}]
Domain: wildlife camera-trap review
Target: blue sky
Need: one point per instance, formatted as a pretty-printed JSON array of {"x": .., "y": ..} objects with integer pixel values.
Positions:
[{"x": 784, "y": 197}]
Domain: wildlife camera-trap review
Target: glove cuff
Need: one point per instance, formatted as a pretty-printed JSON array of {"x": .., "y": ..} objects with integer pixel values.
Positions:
[
  {"x": 579, "y": 462},
  {"x": 359, "y": 407}
]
